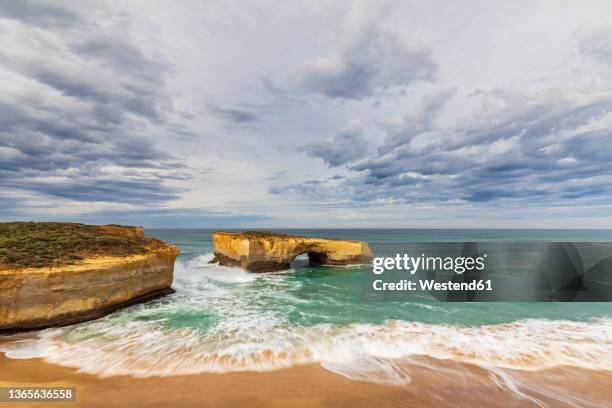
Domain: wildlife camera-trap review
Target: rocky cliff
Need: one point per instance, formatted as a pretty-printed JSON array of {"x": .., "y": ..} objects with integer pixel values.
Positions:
[
  {"x": 266, "y": 251},
  {"x": 111, "y": 267}
]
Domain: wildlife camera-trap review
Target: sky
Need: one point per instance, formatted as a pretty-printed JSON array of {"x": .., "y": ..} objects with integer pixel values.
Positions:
[{"x": 347, "y": 114}]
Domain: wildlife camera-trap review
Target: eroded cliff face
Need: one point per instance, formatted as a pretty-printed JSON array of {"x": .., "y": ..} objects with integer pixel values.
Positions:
[
  {"x": 264, "y": 252},
  {"x": 34, "y": 298}
]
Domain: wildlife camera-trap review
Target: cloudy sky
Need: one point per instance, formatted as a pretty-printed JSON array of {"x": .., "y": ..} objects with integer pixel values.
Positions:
[{"x": 307, "y": 114}]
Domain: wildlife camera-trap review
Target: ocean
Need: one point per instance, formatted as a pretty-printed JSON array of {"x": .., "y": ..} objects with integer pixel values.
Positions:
[{"x": 225, "y": 320}]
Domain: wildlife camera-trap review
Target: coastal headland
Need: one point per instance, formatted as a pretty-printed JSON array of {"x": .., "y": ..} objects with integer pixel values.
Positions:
[{"x": 55, "y": 274}]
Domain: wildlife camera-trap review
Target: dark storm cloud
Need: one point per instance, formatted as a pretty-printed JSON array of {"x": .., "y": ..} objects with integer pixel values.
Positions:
[
  {"x": 417, "y": 122},
  {"x": 38, "y": 13},
  {"x": 133, "y": 191},
  {"x": 537, "y": 149},
  {"x": 234, "y": 115},
  {"x": 110, "y": 104},
  {"x": 123, "y": 56},
  {"x": 347, "y": 146},
  {"x": 76, "y": 122},
  {"x": 374, "y": 60}
]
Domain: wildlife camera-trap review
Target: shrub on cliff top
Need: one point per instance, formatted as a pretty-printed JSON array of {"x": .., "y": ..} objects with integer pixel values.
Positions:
[{"x": 43, "y": 244}]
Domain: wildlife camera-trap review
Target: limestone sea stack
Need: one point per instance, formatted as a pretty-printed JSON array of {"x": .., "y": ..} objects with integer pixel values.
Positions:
[
  {"x": 54, "y": 274},
  {"x": 267, "y": 251}
]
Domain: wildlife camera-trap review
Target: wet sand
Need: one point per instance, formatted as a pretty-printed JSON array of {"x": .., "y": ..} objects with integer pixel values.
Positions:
[{"x": 434, "y": 384}]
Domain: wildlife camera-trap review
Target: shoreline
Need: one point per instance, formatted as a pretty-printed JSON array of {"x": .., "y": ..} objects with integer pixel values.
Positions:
[{"x": 434, "y": 383}]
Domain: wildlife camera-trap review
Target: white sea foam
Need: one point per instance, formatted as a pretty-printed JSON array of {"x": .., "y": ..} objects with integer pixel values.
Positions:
[
  {"x": 246, "y": 333},
  {"x": 200, "y": 267},
  {"x": 359, "y": 351}
]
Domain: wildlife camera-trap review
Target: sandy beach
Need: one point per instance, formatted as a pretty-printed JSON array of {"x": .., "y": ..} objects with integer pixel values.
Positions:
[{"x": 434, "y": 384}]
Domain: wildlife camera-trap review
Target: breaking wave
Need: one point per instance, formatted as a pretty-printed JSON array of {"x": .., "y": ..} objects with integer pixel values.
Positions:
[{"x": 359, "y": 351}]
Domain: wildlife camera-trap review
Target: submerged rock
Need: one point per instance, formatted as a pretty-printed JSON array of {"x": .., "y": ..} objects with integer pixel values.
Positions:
[
  {"x": 268, "y": 251},
  {"x": 107, "y": 267}
]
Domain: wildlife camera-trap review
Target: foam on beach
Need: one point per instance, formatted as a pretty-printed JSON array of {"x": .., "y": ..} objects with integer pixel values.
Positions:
[{"x": 358, "y": 351}]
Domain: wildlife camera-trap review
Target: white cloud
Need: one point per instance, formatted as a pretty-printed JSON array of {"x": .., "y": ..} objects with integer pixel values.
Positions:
[
  {"x": 374, "y": 60},
  {"x": 464, "y": 110}
]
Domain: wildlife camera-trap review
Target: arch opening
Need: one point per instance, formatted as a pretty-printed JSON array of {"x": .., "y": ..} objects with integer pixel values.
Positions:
[
  {"x": 317, "y": 258},
  {"x": 308, "y": 258},
  {"x": 300, "y": 261}
]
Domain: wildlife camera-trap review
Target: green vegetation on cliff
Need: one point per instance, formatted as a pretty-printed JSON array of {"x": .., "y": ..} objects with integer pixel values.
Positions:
[{"x": 43, "y": 244}]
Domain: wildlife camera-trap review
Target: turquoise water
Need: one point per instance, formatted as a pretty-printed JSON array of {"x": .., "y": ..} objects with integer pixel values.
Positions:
[
  {"x": 224, "y": 319},
  {"x": 312, "y": 295}
]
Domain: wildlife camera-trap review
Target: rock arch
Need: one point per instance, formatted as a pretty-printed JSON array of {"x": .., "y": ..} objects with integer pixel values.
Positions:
[{"x": 267, "y": 251}]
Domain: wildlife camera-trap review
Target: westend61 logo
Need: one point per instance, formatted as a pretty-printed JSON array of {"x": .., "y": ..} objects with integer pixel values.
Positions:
[
  {"x": 412, "y": 264},
  {"x": 459, "y": 266},
  {"x": 491, "y": 271}
]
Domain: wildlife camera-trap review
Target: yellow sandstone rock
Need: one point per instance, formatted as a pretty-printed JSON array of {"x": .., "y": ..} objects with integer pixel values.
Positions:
[
  {"x": 34, "y": 298},
  {"x": 266, "y": 251}
]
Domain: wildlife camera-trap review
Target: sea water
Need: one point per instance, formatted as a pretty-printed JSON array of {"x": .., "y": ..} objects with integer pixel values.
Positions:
[{"x": 224, "y": 319}]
